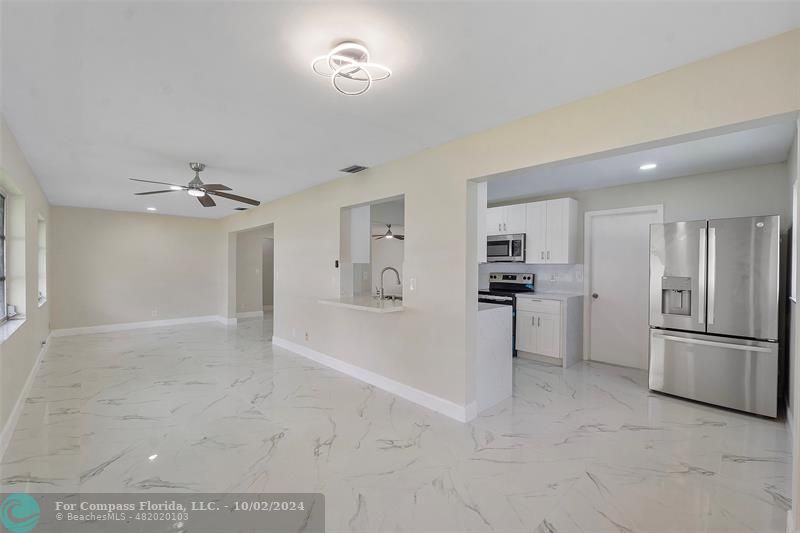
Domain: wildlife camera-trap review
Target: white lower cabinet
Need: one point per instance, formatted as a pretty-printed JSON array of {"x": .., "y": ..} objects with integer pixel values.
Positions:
[
  {"x": 526, "y": 331},
  {"x": 539, "y": 333},
  {"x": 548, "y": 335},
  {"x": 549, "y": 329}
]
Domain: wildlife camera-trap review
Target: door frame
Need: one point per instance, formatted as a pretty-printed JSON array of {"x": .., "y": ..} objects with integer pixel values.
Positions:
[{"x": 588, "y": 217}]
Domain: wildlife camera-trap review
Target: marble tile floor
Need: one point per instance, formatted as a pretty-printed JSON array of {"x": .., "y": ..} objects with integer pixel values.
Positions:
[{"x": 587, "y": 449}]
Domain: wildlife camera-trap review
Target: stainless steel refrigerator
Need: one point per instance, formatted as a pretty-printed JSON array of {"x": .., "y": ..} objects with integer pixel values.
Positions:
[{"x": 714, "y": 316}]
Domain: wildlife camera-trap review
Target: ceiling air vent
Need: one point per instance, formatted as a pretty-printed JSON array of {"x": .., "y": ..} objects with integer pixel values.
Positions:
[{"x": 352, "y": 169}]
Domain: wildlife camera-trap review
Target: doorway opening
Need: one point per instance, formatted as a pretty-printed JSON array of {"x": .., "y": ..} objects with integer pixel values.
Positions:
[{"x": 255, "y": 275}]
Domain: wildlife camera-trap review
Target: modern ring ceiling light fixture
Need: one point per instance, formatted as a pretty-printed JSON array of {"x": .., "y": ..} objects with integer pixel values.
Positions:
[{"x": 349, "y": 67}]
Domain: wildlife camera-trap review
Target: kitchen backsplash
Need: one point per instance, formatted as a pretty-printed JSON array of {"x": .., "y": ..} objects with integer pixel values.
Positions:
[{"x": 560, "y": 278}]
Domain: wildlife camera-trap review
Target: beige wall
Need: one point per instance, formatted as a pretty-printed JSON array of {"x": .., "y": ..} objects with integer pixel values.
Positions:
[
  {"x": 741, "y": 192},
  {"x": 429, "y": 345},
  {"x": 19, "y": 352},
  {"x": 114, "y": 267}
]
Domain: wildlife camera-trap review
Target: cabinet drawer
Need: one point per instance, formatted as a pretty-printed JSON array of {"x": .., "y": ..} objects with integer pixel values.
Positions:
[{"x": 535, "y": 305}]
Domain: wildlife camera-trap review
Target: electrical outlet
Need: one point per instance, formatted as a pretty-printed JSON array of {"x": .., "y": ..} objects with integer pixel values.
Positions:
[
  {"x": 412, "y": 284},
  {"x": 306, "y": 335}
]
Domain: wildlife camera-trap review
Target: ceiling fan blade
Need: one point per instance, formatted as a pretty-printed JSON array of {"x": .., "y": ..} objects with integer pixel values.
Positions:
[
  {"x": 154, "y": 192},
  {"x": 158, "y": 182},
  {"x": 235, "y": 197},
  {"x": 401, "y": 237},
  {"x": 206, "y": 200},
  {"x": 216, "y": 187},
  {"x": 377, "y": 237}
]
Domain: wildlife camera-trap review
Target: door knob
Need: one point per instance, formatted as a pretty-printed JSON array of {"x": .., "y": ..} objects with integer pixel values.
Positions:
[{"x": 595, "y": 295}]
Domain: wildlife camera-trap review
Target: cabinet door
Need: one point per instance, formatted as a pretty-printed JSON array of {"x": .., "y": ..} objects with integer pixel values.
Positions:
[
  {"x": 495, "y": 217},
  {"x": 526, "y": 331},
  {"x": 557, "y": 247},
  {"x": 536, "y": 232},
  {"x": 514, "y": 219},
  {"x": 548, "y": 335}
]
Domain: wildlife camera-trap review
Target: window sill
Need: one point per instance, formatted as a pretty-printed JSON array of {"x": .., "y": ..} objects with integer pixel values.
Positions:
[{"x": 8, "y": 328}]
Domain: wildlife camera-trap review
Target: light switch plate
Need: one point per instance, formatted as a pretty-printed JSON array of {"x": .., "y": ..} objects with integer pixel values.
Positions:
[{"x": 412, "y": 284}]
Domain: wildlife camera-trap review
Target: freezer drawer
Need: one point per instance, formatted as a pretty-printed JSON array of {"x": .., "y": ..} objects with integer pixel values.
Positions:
[{"x": 733, "y": 373}]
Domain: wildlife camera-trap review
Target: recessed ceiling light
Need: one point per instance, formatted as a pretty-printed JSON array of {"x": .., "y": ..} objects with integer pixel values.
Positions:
[
  {"x": 648, "y": 166},
  {"x": 153, "y": 457},
  {"x": 348, "y": 64},
  {"x": 152, "y": 209}
]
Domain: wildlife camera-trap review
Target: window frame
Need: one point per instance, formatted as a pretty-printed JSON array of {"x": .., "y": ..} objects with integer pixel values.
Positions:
[
  {"x": 3, "y": 240},
  {"x": 41, "y": 261}
]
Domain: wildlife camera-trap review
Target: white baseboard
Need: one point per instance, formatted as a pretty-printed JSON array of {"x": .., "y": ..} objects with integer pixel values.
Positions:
[
  {"x": 249, "y": 314},
  {"x": 453, "y": 410},
  {"x": 138, "y": 325},
  {"x": 11, "y": 423}
]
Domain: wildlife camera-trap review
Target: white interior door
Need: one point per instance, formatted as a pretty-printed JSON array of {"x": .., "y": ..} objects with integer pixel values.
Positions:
[{"x": 618, "y": 281}]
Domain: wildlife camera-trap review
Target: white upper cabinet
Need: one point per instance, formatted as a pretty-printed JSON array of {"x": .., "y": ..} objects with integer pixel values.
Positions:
[
  {"x": 552, "y": 231},
  {"x": 506, "y": 219},
  {"x": 536, "y": 232},
  {"x": 495, "y": 217},
  {"x": 514, "y": 218}
]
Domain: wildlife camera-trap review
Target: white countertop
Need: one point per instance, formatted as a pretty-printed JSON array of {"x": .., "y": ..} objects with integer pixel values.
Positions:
[
  {"x": 560, "y": 296},
  {"x": 365, "y": 303}
]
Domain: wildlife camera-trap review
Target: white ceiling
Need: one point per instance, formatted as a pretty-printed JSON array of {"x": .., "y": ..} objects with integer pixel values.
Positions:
[
  {"x": 757, "y": 146},
  {"x": 97, "y": 92}
]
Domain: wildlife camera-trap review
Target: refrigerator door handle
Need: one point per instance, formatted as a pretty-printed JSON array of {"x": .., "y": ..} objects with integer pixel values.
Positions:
[
  {"x": 712, "y": 272},
  {"x": 717, "y": 344},
  {"x": 701, "y": 279}
]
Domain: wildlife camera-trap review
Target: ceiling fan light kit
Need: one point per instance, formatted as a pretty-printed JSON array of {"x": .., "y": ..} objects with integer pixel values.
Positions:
[
  {"x": 198, "y": 189},
  {"x": 389, "y": 234},
  {"x": 350, "y": 62}
]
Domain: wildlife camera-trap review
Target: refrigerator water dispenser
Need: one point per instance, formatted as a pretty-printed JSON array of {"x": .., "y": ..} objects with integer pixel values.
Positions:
[{"x": 676, "y": 295}]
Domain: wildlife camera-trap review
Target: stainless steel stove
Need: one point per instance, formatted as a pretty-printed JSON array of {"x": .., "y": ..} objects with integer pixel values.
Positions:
[{"x": 503, "y": 288}]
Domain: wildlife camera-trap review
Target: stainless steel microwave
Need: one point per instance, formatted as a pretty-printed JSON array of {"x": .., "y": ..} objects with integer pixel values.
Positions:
[{"x": 505, "y": 248}]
